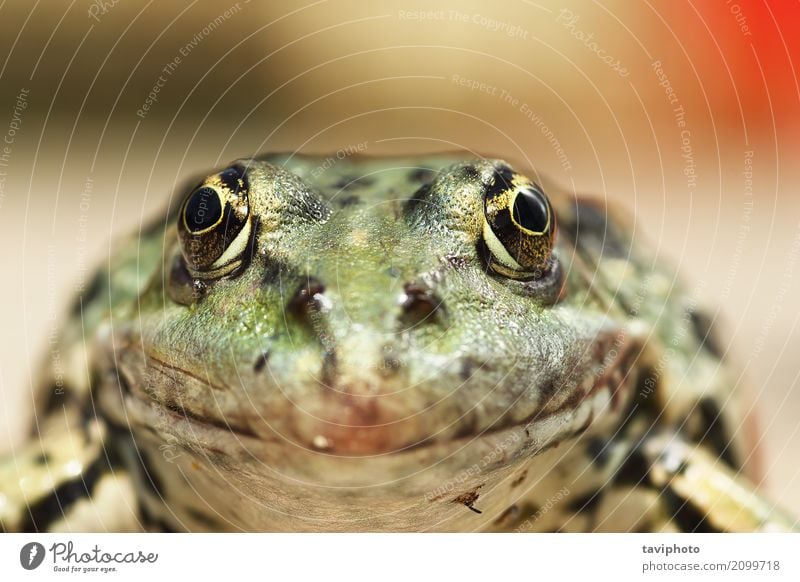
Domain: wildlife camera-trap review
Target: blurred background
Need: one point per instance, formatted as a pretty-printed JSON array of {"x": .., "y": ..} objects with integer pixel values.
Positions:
[{"x": 686, "y": 113}]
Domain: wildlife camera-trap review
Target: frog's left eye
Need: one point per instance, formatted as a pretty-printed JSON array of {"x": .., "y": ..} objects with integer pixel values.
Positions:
[
  {"x": 214, "y": 224},
  {"x": 519, "y": 227}
]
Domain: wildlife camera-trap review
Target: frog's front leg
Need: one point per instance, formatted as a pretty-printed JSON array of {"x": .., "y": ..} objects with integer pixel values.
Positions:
[
  {"x": 702, "y": 493},
  {"x": 66, "y": 479}
]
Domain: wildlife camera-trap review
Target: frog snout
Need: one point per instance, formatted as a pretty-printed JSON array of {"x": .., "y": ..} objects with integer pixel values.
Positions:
[{"x": 360, "y": 395}]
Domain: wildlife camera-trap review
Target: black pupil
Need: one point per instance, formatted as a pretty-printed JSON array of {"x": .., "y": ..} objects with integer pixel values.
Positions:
[
  {"x": 530, "y": 211},
  {"x": 203, "y": 209}
]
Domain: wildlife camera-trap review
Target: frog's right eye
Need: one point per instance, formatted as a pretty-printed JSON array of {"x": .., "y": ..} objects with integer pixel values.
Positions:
[
  {"x": 214, "y": 224},
  {"x": 519, "y": 227}
]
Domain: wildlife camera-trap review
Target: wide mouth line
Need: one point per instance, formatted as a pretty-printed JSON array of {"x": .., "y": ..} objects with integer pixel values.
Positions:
[
  {"x": 530, "y": 422},
  {"x": 174, "y": 409},
  {"x": 602, "y": 381}
]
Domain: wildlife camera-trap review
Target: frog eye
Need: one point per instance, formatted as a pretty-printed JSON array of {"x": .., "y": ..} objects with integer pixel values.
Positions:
[
  {"x": 214, "y": 224},
  {"x": 519, "y": 227}
]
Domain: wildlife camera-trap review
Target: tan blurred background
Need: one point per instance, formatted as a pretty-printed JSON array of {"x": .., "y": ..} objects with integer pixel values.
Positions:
[{"x": 592, "y": 94}]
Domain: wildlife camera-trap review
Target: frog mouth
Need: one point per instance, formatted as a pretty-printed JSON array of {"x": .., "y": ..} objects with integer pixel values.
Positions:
[{"x": 605, "y": 388}]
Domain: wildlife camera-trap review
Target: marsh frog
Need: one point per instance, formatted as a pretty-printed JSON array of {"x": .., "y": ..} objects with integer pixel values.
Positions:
[{"x": 308, "y": 343}]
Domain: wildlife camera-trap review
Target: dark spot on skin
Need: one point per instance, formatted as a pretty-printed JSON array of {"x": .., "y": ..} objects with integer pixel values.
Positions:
[
  {"x": 470, "y": 173},
  {"x": 42, "y": 459},
  {"x": 54, "y": 506},
  {"x": 345, "y": 201},
  {"x": 457, "y": 262},
  {"x": 469, "y": 426},
  {"x": 531, "y": 509},
  {"x": 586, "y": 503},
  {"x": 274, "y": 271},
  {"x": 149, "y": 477},
  {"x": 468, "y": 367},
  {"x": 714, "y": 433},
  {"x": 599, "y": 450},
  {"x": 353, "y": 183},
  {"x": 547, "y": 392},
  {"x": 125, "y": 451},
  {"x": 123, "y": 382},
  {"x": 635, "y": 469},
  {"x": 90, "y": 293},
  {"x": 508, "y": 517},
  {"x": 152, "y": 522},
  {"x": 417, "y": 198},
  {"x": 593, "y": 232},
  {"x": 330, "y": 364},
  {"x": 208, "y": 522},
  {"x": 646, "y": 401},
  {"x": 468, "y": 499},
  {"x": 420, "y": 304},
  {"x": 703, "y": 330},
  {"x": 261, "y": 361},
  {"x": 58, "y": 398},
  {"x": 685, "y": 514},
  {"x": 519, "y": 480},
  {"x": 422, "y": 175}
]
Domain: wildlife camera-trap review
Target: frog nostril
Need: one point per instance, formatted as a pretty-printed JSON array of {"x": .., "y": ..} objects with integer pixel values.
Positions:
[
  {"x": 309, "y": 298},
  {"x": 419, "y": 304}
]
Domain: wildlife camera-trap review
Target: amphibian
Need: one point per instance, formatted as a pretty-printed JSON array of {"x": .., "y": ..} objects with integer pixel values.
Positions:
[{"x": 399, "y": 344}]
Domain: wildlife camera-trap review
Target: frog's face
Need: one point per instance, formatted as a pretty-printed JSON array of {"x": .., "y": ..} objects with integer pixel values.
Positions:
[{"x": 371, "y": 308}]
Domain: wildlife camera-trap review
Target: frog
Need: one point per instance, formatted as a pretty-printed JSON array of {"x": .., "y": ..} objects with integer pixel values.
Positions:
[{"x": 440, "y": 342}]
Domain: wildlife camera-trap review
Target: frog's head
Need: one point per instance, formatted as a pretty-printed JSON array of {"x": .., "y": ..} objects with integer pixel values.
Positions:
[{"x": 364, "y": 308}]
